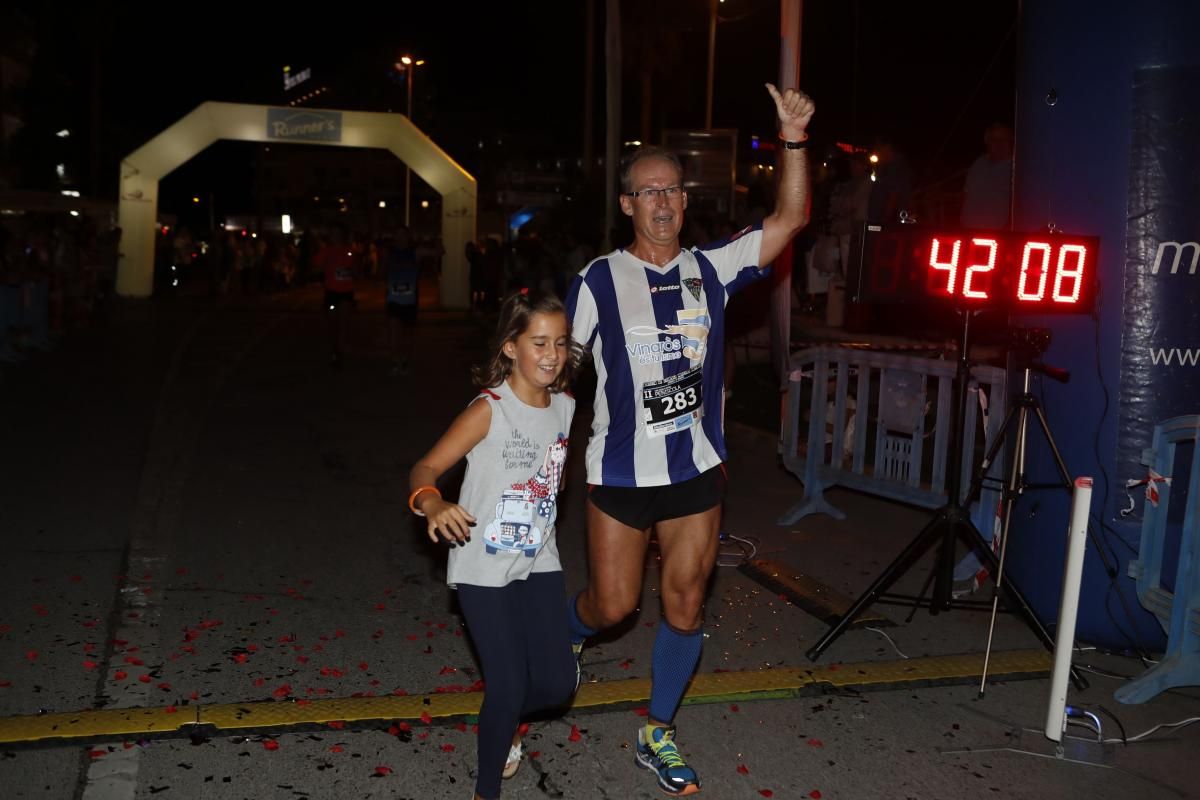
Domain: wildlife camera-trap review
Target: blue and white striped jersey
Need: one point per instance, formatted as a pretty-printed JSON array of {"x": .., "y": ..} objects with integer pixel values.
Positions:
[{"x": 657, "y": 338}]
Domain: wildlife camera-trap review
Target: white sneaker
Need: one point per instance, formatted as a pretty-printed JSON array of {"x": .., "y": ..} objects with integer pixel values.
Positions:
[{"x": 514, "y": 761}]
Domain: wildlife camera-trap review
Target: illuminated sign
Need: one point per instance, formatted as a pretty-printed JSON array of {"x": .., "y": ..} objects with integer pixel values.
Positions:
[
  {"x": 293, "y": 79},
  {"x": 1014, "y": 272},
  {"x": 304, "y": 125}
]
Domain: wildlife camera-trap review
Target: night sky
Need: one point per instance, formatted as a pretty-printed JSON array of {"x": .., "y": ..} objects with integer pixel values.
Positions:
[{"x": 929, "y": 74}]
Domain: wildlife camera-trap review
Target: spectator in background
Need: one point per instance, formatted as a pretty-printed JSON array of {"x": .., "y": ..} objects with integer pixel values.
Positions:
[
  {"x": 336, "y": 261},
  {"x": 892, "y": 191},
  {"x": 402, "y": 273},
  {"x": 987, "y": 194}
]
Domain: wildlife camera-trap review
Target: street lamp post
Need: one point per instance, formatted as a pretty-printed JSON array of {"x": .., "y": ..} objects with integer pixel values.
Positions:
[{"x": 408, "y": 65}]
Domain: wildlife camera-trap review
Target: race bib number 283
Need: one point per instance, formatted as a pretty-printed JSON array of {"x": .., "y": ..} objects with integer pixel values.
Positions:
[{"x": 672, "y": 404}]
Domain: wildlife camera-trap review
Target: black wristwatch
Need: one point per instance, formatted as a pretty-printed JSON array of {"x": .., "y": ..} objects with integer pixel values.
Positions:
[{"x": 800, "y": 145}]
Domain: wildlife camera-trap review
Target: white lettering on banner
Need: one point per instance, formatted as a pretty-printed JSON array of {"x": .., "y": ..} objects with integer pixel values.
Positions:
[
  {"x": 1188, "y": 357},
  {"x": 1180, "y": 247},
  {"x": 283, "y": 129}
]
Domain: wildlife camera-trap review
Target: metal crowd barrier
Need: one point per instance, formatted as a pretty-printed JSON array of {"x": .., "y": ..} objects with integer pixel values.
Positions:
[
  {"x": 1176, "y": 606},
  {"x": 869, "y": 428}
]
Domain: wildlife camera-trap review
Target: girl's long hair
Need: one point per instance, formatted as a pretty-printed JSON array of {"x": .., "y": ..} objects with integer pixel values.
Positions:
[{"x": 515, "y": 314}]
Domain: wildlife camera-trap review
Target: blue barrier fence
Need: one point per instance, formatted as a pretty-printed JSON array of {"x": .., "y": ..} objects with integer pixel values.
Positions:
[{"x": 1176, "y": 604}]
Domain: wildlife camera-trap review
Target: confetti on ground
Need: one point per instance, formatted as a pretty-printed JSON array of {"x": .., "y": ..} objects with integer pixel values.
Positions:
[
  {"x": 575, "y": 735},
  {"x": 815, "y": 743},
  {"x": 743, "y": 770}
]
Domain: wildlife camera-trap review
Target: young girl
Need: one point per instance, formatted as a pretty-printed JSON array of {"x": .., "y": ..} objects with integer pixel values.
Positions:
[{"x": 504, "y": 559}]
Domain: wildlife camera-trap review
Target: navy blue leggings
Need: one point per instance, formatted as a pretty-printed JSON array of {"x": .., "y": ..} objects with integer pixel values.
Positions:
[{"x": 520, "y": 633}]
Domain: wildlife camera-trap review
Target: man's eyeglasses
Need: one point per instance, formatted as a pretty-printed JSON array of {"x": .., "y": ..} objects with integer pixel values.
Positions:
[{"x": 650, "y": 195}]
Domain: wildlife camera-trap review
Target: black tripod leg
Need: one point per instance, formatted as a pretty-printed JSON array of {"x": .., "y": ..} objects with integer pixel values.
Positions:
[
  {"x": 1058, "y": 459},
  {"x": 913, "y": 550},
  {"x": 1014, "y": 596},
  {"x": 917, "y": 602},
  {"x": 990, "y": 456}
]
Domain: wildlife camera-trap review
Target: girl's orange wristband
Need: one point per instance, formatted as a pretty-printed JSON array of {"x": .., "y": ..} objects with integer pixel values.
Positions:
[{"x": 412, "y": 497}]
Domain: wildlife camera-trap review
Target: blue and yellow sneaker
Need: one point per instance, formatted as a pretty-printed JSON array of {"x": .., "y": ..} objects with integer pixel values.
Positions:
[{"x": 660, "y": 756}]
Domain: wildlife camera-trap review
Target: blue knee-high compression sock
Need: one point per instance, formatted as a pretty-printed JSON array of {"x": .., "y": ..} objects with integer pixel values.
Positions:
[
  {"x": 676, "y": 654},
  {"x": 579, "y": 630}
]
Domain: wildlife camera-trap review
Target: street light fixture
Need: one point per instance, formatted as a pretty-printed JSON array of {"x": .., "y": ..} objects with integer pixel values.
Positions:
[{"x": 408, "y": 65}]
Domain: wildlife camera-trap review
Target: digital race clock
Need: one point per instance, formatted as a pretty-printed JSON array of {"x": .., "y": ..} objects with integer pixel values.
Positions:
[{"x": 977, "y": 269}]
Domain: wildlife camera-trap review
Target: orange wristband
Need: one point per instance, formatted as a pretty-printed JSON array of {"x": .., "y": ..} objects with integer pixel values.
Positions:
[{"x": 413, "y": 497}]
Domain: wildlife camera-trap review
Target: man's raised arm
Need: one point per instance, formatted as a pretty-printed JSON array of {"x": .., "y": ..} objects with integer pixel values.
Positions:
[{"x": 792, "y": 203}]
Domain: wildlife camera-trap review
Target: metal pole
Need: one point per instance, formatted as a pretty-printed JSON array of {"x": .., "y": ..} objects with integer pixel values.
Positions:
[
  {"x": 712, "y": 62},
  {"x": 411, "y": 71},
  {"x": 781, "y": 290}
]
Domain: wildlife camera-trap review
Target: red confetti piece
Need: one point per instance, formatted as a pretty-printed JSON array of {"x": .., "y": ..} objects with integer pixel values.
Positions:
[
  {"x": 301, "y": 659},
  {"x": 194, "y": 695},
  {"x": 5, "y": 684},
  {"x": 642, "y": 711},
  {"x": 626, "y": 664},
  {"x": 166, "y": 687},
  {"x": 40, "y": 610},
  {"x": 97, "y": 753},
  {"x": 253, "y": 648},
  {"x": 404, "y": 726},
  {"x": 815, "y": 743},
  {"x": 766, "y": 792},
  {"x": 399, "y": 692},
  {"x": 134, "y": 660},
  {"x": 260, "y": 681},
  {"x": 339, "y": 634},
  {"x": 120, "y": 675},
  {"x": 241, "y": 658},
  {"x": 426, "y": 718},
  {"x": 283, "y": 691},
  {"x": 575, "y": 735},
  {"x": 91, "y": 623},
  {"x": 383, "y": 770},
  {"x": 447, "y": 671},
  {"x": 89, "y": 647},
  {"x": 535, "y": 753},
  {"x": 76, "y": 579},
  {"x": 88, "y": 664},
  {"x": 181, "y": 571},
  {"x": 447, "y": 748},
  {"x": 381, "y": 606},
  {"x": 336, "y": 724},
  {"x": 734, "y": 708},
  {"x": 337, "y": 748},
  {"x": 377, "y": 635},
  {"x": 145, "y": 678},
  {"x": 171, "y": 709},
  {"x": 271, "y": 744},
  {"x": 815, "y": 794},
  {"x": 743, "y": 770},
  {"x": 475, "y": 729},
  {"x": 31, "y": 655},
  {"x": 462, "y": 727},
  {"x": 362, "y": 665},
  {"x": 523, "y": 729}
]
